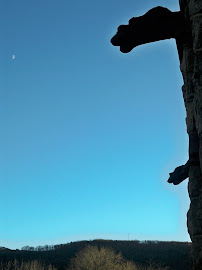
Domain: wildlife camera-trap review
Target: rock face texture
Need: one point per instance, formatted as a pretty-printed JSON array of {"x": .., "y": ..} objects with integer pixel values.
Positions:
[
  {"x": 186, "y": 27},
  {"x": 191, "y": 68}
]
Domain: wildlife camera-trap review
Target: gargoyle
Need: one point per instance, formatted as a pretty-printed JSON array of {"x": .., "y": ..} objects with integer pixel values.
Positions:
[
  {"x": 159, "y": 23},
  {"x": 182, "y": 172}
]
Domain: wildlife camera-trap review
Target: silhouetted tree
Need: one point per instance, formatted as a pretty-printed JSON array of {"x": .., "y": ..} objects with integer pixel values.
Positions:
[{"x": 92, "y": 258}]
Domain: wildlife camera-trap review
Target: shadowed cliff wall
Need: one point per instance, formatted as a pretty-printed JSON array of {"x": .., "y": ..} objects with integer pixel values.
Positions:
[{"x": 191, "y": 68}]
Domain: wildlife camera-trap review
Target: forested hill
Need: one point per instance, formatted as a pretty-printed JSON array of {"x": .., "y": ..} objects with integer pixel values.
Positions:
[{"x": 172, "y": 254}]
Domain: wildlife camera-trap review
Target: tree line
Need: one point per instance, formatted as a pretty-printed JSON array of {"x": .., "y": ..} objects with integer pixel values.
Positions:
[{"x": 174, "y": 255}]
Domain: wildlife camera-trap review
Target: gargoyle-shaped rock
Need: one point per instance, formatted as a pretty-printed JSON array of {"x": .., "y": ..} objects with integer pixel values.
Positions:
[
  {"x": 180, "y": 174},
  {"x": 159, "y": 23}
]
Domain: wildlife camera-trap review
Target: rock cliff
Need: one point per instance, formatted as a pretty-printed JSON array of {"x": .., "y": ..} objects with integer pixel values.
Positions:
[{"x": 191, "y": 68}]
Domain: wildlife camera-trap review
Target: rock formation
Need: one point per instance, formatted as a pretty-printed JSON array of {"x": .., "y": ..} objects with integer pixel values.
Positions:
[
  {"x": 191, "y": 68},
  {"x": 186, "y": 27}
]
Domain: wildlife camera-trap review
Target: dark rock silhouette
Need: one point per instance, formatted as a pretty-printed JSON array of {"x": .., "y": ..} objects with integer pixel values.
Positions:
[
  {"x": 180, "y": 174},
  {"x": 159, "y": 23},
  {"x": 186, "y": 27}
]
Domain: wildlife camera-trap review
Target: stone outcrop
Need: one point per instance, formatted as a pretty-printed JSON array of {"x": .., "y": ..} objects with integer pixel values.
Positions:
[
  {"x": 186, "y": 27},
  {"x": 157, "y": 24}
]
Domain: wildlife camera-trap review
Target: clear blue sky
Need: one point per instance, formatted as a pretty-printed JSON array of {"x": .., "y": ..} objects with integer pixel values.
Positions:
[{"x": 88, "y": 135}]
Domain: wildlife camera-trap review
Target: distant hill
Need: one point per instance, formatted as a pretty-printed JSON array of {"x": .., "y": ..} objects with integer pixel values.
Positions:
[{"x": 172, "y": 254}]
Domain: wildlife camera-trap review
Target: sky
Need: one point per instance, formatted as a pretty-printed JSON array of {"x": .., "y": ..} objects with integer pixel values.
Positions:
[{"x": 88, "y": 135}]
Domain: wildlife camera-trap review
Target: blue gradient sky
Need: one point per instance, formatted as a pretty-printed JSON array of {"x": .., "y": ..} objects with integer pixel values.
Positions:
[{"x": 88, "y": 135}]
